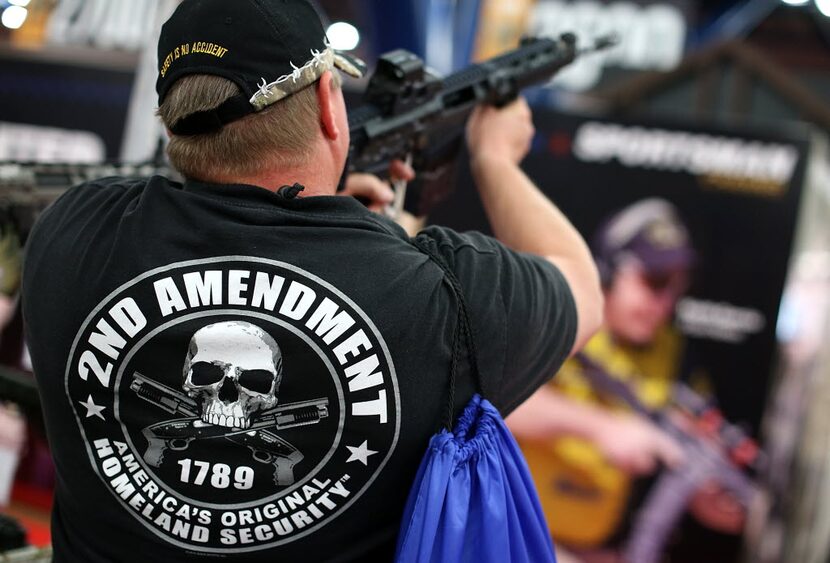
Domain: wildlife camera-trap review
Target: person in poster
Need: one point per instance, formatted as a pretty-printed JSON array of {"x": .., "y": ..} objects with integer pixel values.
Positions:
[{"x": 585, "y": 445}]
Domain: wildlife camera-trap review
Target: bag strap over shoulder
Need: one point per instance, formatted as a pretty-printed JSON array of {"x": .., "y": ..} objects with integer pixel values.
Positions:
[{"x": 464, "y": 327}]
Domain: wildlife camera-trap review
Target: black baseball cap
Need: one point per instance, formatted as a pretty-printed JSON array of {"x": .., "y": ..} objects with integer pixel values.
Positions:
[
  {"x": 649, "y": 231},
  {"x": 269, "y": 48}
]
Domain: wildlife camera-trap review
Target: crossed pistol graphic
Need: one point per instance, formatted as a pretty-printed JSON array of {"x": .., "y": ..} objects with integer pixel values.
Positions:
[{"x": 266, "y": 447}]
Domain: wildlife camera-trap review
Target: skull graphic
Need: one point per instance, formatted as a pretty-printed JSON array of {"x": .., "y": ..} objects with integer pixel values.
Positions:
[{"x": 234, "y": 369}]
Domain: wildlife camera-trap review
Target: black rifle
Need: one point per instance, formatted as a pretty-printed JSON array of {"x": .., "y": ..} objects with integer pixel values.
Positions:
[
  {"x": 411, "y": 111},
  {"x": 715, "y": 450}
]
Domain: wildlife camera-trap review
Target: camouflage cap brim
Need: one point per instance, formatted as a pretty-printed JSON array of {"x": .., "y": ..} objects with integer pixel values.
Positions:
[
  {"x": 349, "y": 64},
  {"x": 304, "y": 76}
]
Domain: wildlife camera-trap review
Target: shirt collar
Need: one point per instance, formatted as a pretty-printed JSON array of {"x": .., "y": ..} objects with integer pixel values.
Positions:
[
  {"x": 330, "y": 207},
  {"x": 259, "y": 195}
]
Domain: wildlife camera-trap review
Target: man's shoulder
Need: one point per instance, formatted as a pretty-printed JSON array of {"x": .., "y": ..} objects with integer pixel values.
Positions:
[
  {"x": 449, "y": 240},
  {"x": 65, "y": 225},
  {"x": 103, "y": 189},
  {"x": 476, "y": 251},
  {"x": 91, "y": 199}
]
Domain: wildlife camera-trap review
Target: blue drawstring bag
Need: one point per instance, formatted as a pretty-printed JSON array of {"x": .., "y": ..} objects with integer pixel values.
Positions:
[{"x": 473, "y": 498}]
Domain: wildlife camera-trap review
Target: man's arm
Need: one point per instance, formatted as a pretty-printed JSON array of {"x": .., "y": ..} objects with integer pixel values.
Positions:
[
  {"x": 521, "y": 216},
  {"x": 628, "y": 441}
]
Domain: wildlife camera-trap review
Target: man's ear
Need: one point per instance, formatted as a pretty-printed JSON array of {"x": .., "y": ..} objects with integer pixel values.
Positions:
[{"x": 325, "y": 97}]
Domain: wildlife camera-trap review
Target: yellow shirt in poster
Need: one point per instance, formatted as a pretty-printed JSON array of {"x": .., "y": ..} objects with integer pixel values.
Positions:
[{"x": 582, "y": 495}]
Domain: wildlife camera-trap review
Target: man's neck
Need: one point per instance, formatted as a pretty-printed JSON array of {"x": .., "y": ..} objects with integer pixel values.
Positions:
[
  {"x": 315, "y": 182},
  {"x": 319, "y": 176}
]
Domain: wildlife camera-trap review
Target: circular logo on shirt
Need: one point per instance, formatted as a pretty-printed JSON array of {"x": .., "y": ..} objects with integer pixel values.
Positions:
[{"x": 233, "y": 404}]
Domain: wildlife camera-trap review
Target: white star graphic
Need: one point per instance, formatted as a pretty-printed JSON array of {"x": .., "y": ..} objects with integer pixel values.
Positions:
[
  {"x": 360, "y": 453},
  {"x": 92, "y": 409}
]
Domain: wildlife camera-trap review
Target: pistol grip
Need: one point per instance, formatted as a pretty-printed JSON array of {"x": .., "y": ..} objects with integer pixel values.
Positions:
[
  {"x": 284, "y": 468},
  {"x": 154, "y": 454}
]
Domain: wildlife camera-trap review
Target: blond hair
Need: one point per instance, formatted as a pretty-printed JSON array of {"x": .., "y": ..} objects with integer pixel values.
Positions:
[{"x": 281, "y": 135}]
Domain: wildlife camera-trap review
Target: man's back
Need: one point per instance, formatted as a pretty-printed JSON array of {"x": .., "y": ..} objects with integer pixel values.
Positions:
[{"x": 226, "y": 370}]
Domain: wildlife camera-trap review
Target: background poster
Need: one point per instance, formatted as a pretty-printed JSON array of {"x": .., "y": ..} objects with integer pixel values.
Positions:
[{"x": 737, "y": 191}]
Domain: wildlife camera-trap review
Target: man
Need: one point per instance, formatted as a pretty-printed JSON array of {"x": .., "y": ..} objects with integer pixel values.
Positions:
[
  {"x": 248, "y": 366},
  {"x": 582, "y": 438}
]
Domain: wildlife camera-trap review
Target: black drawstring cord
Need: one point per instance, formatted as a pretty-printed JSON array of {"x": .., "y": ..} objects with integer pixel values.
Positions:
[
  {"x": 290, "y": 192},
  {"x": 463, "y": 328}
]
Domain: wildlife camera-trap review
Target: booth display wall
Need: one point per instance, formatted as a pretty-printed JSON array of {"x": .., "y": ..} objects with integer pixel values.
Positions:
[{"x": 68, "y": 98}]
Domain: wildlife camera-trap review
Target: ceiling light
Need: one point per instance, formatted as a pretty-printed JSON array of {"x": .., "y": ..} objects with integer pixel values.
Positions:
[
  {"x": 343, "y": 36},
  {"x": 14, "y": 16}
]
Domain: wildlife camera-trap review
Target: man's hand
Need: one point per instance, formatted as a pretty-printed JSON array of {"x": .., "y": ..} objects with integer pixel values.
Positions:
[
  {"x": 628, "y": 441},
  {"x": 717, "y": 508},
  {"x": 500, "y": 133},
  {"x": 371, "y": 188},
  {"x": 635, "y": 444}
]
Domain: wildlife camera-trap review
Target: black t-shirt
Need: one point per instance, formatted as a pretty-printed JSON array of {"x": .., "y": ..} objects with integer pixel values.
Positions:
[{"x": 227, "y": 372}]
